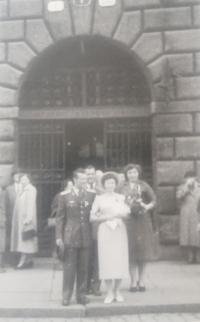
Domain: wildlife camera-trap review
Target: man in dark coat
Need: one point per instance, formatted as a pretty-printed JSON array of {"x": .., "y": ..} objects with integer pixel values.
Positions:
[
  {"x": 73, "y": 229},
  {"x": 10, "y": 197},
  {"x": 93, "y": 285}
]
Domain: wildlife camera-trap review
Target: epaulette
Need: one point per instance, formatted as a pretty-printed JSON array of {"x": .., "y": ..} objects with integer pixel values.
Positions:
[
  {"x": 91, "y": 190},
  {"x": 65, "y": 193}
]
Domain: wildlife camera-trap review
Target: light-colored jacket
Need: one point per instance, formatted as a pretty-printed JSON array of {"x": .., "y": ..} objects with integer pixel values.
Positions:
[
  {"x": 24, "y": 210},
  {"x": 189, "y": 215}
]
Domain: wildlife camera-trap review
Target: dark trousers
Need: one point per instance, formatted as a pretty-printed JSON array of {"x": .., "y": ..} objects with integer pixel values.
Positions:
[
  {"x": 93, "y": 273},
  {"x": 75, "y": 265},
  {"x": 11, "y": 258},
  {"x": 2, "y": 260}
]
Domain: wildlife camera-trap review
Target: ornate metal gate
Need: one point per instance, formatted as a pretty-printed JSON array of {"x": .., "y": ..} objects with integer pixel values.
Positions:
[
  {"x": 41, "y": 153},
  {"x": 128, "y": 141}
]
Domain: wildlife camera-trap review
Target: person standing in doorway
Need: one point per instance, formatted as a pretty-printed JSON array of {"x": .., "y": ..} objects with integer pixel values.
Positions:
[
  {"x": 99, "y": 175},
  {"x": 10, "y": 198},
  {"x": 122, "y": 181},
  {"x": 93, "y": 272},
  {"x": 188, "y": 195},
  {"x": 73, "y": 232},
  {"x": 24, "y": 220}
]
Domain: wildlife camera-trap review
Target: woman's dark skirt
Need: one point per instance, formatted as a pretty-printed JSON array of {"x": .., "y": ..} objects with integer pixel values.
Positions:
[{"x": 140, "y": 238}]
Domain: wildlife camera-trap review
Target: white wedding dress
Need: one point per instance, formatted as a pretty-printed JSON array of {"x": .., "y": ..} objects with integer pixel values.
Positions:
[{"x": 112, "y": 237}]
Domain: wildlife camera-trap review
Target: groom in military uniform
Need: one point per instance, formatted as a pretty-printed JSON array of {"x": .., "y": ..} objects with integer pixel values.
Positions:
[{"x": 73, "y": 229}]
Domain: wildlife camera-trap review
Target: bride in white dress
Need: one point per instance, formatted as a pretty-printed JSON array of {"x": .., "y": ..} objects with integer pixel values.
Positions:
[{"x": 110, "y": 209}]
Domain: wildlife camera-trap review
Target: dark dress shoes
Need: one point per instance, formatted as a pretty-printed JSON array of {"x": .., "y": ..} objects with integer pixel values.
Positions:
[
  {"x": 29, "y": 265},
  {"x": 83, "y": 301},
  {"x": 94, "y": 292},
  {"x": 18, "y": 268},
  {"x": 65, "y": 303},
  {"x": 97, "y": 293},
  {"x": 190, "y": 261},
  {"x": 133, "y": 289},
  {"x": 24, "y": 266},
  {"x": 141, "y": 288}
]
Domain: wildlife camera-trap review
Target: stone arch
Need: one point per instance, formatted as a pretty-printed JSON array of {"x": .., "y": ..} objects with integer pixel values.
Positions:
[{"x": 123, "y": 22}]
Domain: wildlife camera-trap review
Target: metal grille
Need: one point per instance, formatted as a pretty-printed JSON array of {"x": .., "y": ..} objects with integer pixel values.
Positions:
[
  {"x": 89, "y": 87},
  {"x": 41, "y": 153},
  {"x": 111, "y": 87},
  {"x": 61, "y": 89},
  {"x": 58, "y": 89},
  {"x": 128, "y": 141}
]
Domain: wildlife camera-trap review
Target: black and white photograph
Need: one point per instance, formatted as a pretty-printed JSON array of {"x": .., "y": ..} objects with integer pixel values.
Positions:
[{"x": 99, "y": 160}]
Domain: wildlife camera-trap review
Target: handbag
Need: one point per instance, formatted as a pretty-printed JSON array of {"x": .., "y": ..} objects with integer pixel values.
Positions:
[
  {"x": 52, "y": 219},
  {"x": 60, "y": 252},
  {"x": 28, "y": 231},
  {"x": 51, "y": 222}
]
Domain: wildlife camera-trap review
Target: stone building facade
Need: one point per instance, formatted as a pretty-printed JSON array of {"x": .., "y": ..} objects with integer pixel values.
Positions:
[{"x": 163, "y": 34}]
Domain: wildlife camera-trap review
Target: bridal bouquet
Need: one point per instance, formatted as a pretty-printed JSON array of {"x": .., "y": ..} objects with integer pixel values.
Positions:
[{"x": 118, "y": 208}]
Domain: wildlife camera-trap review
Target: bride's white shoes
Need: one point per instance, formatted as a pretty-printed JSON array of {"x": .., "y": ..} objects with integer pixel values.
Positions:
[
  {"x": 109, "y": 299},
  {"x": 119, "y": 298}
]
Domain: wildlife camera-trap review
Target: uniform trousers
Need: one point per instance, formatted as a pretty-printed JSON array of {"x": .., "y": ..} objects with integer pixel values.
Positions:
[
  {"x": 93, "y": 273},
  {"x": 11, "y": 258},
  {"x": 75, "y": 265}
]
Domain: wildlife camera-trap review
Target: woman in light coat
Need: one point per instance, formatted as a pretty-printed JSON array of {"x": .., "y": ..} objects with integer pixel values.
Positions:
[
  {"x": 188, "y": 195},
  {"x": 24, "y": 216}
]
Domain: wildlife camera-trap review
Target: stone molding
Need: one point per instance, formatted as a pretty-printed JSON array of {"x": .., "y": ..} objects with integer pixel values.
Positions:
[{"x": 180, "y": 106}]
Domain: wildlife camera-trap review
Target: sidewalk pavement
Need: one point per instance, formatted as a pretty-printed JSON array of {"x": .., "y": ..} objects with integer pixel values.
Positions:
[{"x": 172, "y": 287}]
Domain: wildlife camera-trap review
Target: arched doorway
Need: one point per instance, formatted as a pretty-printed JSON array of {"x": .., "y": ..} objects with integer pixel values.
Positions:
[{"x": 84, "y": 101}]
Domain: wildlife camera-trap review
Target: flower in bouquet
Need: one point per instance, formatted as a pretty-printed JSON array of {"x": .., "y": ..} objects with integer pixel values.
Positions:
[{"x": 134, "y": 202}]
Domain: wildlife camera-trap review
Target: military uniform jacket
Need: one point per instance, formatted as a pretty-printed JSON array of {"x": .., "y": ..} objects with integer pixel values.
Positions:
[{"x": 73, "y": 218}]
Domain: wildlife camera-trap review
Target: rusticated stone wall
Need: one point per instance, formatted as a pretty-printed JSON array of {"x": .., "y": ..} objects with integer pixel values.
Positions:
[{"x": 154, "y": 30}]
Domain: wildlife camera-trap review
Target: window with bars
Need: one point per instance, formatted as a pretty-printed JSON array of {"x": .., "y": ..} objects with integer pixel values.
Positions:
[
  {"x": 85, "y": 87},
  {"x": 128, "y": 141}
]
